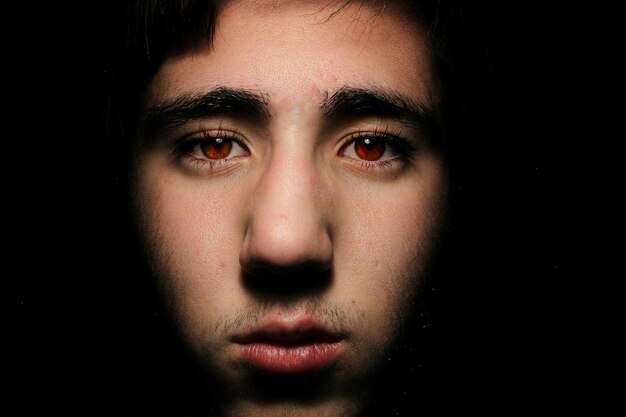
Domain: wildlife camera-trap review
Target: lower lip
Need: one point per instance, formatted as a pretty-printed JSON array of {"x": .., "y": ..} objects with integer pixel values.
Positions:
[{"x": 290, "y": 359}]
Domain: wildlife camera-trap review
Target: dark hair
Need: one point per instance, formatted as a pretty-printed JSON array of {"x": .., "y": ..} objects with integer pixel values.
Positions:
[{"x": 151, "y": 30}]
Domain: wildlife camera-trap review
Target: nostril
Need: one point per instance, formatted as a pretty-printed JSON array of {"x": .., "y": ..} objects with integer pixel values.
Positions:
[
  {"x": 261, "y": 268},
  {"x": 295, "y": 280}
]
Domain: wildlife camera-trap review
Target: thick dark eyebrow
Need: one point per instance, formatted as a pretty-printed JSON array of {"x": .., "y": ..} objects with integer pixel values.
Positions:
[
  {"x": 188, "y": 107},
  {"x": 376, "y": 102}
]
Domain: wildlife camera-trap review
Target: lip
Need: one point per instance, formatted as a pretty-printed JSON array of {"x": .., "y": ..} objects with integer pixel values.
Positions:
[{"x": 289, "y": 347}]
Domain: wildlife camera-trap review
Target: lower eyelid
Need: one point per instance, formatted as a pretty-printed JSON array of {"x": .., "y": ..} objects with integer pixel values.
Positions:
[
  {"x": 387, "y": 163},
  {"x": 206, "y": 166}
]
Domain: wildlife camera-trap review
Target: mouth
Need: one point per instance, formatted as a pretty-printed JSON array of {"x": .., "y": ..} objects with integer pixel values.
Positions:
[{"x": 289, "y": 348}]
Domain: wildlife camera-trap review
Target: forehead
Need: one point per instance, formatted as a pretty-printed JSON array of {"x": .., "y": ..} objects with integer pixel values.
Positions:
[{"x": 287, "y": 48}]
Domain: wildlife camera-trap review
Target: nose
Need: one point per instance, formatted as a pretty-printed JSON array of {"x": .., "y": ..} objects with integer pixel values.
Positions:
[{"x": 288, "y": 235}]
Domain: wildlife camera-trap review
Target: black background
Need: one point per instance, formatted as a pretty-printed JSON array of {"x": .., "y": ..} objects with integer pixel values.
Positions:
[{"x": 529, "y": 323}]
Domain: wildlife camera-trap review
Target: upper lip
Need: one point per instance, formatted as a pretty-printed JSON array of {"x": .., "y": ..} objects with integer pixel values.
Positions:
[{"x": 299, "y": 332}]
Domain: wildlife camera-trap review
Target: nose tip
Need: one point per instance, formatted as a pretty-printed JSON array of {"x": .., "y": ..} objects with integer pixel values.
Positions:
[
  {"x": 287, "y": 244},
  {"x": 287, "y": 258}
]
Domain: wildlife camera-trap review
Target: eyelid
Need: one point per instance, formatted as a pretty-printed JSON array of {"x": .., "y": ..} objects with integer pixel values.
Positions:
[
  {"x": 193, "y": 139},
  {"x": 400, "y": 142},
  {"x": 395, "y": 139},
  {"x": 186, "y": 154},
  {"x": 204, "y": 134}
]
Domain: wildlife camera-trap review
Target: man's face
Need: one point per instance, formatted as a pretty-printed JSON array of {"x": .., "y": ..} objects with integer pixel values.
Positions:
[{"x": 289, "y": 194}]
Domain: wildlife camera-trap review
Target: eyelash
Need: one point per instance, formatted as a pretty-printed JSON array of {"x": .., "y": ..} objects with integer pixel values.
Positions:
[
  {"x": 403, "y": 148},
  {"x": 183, "y": 149}
]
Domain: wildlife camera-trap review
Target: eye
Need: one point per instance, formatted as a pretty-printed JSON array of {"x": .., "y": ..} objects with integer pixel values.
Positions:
[
  {"x": 370, "y": 149},
  {"x": 217, "y": 148},
  {"x": 213, "y": 148}
]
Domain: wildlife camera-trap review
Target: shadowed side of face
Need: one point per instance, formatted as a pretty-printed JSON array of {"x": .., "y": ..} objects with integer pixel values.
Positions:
[{"x": 289, "y": 188}]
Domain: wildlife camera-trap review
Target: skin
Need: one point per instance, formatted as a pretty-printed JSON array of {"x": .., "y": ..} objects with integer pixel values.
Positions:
[{"x": 292, "y": 206}]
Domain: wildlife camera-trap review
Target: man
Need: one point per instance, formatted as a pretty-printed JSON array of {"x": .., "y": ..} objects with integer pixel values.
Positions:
[{"x": 289, "y": 182}]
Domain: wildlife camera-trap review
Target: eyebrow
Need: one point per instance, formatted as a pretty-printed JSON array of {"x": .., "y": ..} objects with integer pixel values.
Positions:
[
  {"x": 344, "y": 103},
  {"x": 189, "y": 107},
  {"x": 350, "y": 101}
]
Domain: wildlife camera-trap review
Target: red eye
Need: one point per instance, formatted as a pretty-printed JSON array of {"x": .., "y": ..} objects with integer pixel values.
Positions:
[
  {"x": 216, "y": 148},
  {"x": 369, "y": 149}
]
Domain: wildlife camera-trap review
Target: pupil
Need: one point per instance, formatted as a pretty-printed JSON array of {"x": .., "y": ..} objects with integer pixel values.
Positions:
[
  {"x": 217, "y": 148},
  {"x": 369, "y": 149}
]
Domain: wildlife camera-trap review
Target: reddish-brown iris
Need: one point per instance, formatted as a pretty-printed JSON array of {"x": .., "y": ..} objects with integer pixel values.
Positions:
[
  {"x": 217, "y": 148},
  {"x": 369, "y": 149}
]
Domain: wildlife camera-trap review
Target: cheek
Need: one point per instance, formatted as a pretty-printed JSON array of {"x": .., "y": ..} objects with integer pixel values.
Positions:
[
  {"x": 389, "y": 243},
  {"x": 193, "y": 242}
]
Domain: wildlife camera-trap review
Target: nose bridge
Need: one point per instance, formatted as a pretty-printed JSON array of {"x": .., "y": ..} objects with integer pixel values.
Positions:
[
  {"x": 288, "y": 184},
  {"x": 287, "y": 225},
  {"x": 288, "y": 187}
]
